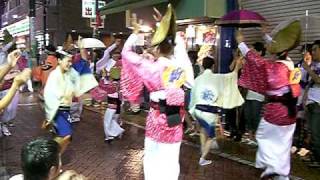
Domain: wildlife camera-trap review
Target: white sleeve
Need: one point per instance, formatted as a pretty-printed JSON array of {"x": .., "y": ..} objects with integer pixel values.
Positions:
[
  {"x": 267, "y": 38},
  {"x": 181, "y": 55},
  {"x": 106, "y": 56},
  {"x": 243, "y": 48}
]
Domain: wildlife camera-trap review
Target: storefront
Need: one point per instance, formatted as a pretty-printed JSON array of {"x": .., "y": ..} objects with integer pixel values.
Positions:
[
  {"x": 195, "y": 18},
  {"x": 21, "y": 30},
  {"x": 279, "y": 11},
  {"x": 200, "y": 34}
]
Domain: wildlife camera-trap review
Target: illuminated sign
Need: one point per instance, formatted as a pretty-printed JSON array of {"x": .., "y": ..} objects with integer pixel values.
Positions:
[
  {"x": 19, "y": 28},
  {"x": 89, "y": 8}
]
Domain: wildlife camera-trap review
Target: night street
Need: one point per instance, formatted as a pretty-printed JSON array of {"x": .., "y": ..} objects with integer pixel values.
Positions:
[
  {"x": 159, "y": 89},
  {"x": 89, "y": 155}
]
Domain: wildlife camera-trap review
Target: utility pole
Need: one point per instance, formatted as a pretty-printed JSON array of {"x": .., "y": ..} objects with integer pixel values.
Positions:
[
  {"x": 95, "y": 35},
  {"x": 33, "y": 44},
  {"x": 95, "y": 28}
]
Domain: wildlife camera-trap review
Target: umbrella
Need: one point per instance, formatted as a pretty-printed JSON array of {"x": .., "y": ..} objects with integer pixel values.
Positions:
[
  {"x": 91, "y": 43},
  {"x": 242, "y": 18}
]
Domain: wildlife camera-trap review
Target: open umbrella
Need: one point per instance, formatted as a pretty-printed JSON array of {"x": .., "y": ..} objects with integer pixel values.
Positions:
[
  {"x": 242, "y": 18},
  {"x": 91, "y": 43}
]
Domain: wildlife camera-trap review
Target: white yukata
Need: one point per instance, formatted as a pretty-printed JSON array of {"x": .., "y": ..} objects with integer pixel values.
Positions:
[
  {"x": 111, "y": 125},
  {"x": 218, "y": 90},
  {"x": 61, "y": 88}
]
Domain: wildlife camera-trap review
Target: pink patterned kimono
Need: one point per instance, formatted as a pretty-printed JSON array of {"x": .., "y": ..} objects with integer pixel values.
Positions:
[
  {"x": 106, "y": 86},
  {"x": 276, "y": 128},
  {"x": 162, "y": 143},
  {"x": 131, "y": 84},
  {"x": 270, "y": 78},
  {"x": 150, "y": 73}
]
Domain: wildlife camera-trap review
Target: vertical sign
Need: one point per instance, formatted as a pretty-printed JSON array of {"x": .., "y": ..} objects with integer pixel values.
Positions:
[{"x": 89, "y": 8}]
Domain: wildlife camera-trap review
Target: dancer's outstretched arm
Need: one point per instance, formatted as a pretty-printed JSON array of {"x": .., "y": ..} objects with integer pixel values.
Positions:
[
  {"x": 12, "y": 61},
  {"x": 20, "y": 79}
]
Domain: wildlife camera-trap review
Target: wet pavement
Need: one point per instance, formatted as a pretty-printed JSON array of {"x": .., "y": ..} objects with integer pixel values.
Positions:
[{"x": 122, "y": 159}]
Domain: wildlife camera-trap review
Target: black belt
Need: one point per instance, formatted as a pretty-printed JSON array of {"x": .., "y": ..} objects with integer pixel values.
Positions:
[
  {"x": 287, "y": 100},
  {"x": 208, "y": 108},
  {"x": 111, "y": 100},
  {"x": 64, "y": 108},
  {"x": 172, "y": 112}
]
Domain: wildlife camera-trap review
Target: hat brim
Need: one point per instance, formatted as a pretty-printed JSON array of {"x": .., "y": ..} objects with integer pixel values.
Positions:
[
  {"x": 167, "y": 27},
  {"x": 286, "y": 37}
]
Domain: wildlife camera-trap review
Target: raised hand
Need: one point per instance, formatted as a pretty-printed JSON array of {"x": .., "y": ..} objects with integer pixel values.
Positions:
[
  {"x": 13, "y": 57},
  {"x": 157, "y": 16},
  {"x": 22, "y": 77},
  {"x": 136, "y": 26},
  {"x": 239, "y": 37}
]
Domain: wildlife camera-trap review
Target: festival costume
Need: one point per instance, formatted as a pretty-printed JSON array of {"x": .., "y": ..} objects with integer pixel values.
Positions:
[
  {"x": 105, "y": 60},
  {"x": 59, "y": 91},
  {"x": 208, "y": 99},
  {"x": 275, "y": 132},
  {"x": 77, "y": 105},
  {"x": 163, "y": 128},
  {"x": 111, "y": 86},
  {"x": 131, "y": 84}
]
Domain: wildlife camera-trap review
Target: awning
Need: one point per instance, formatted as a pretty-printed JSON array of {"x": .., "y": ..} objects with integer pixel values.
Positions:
[{"x": 117, "y": 6}]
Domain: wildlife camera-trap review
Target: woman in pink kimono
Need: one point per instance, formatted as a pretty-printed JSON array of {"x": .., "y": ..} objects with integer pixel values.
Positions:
[
  {"x": 276, "y": 79},
  {"x": 164, "y": 121}
]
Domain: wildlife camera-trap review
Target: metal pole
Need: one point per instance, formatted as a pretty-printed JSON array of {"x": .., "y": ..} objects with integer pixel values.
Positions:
[
  {"x": 95, "y": 29},
  {"x": 95, "y": 35},
  {"x": 44, "y": 22},
  {"x": 33, "y": 44}
]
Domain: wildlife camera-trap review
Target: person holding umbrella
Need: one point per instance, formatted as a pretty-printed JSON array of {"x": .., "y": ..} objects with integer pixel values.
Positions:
[{"x": 313, "y": 100}]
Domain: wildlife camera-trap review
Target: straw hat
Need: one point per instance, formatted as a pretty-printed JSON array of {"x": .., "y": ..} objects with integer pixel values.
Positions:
[
  {"x": 285, "y": 37},
  {"x": 167, "y": 27}
]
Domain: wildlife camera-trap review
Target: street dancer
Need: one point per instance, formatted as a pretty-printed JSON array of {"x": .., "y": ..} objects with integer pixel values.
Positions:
[
  {"x": 279, "y": 82},
  {"x": 208, "y": 100},
  {"x": 163, "y": 78},
  {"x": 105, "y": 60},
  {"x": 64, "y": 83},
  {"x": 111, "y": 120}
]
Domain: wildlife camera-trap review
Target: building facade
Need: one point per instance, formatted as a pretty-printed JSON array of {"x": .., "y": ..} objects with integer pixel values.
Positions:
[
  {"x": 62, "y": 17},
  {"x": 278, "y": 11}
]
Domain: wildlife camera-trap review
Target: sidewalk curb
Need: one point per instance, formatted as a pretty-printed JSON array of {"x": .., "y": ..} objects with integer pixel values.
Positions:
[{"x": 215, "y": 152}]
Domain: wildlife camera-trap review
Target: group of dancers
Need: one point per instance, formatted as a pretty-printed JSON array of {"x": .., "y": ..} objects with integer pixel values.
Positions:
[{"x": 165, "y": 70}]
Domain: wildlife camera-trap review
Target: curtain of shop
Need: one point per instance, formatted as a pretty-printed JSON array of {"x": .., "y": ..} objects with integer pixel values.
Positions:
[{"x": 227, "y": 41}]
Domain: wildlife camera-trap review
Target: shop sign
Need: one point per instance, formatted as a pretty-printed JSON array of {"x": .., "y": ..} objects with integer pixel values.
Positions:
[
  {"x": 89, "y": 8},
  {"x": 19, "y": 28}
]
